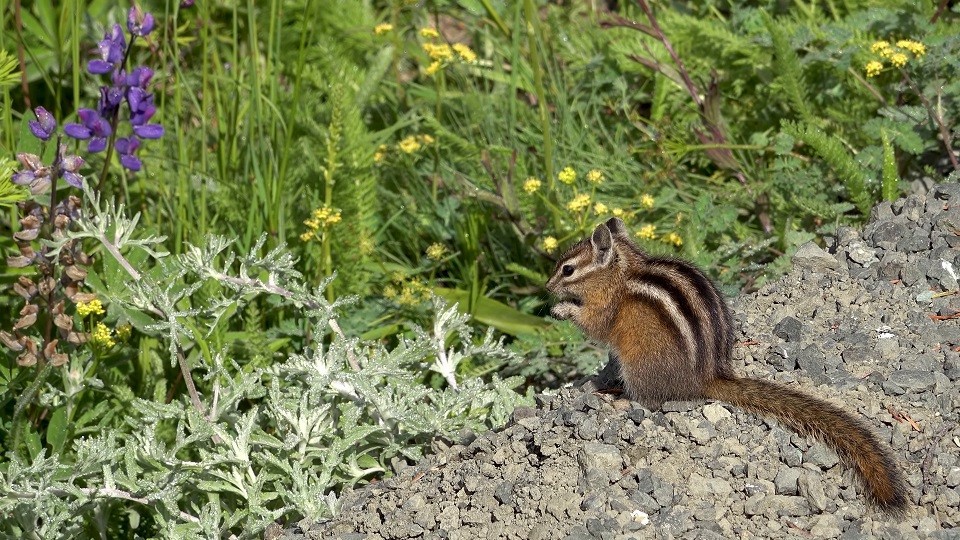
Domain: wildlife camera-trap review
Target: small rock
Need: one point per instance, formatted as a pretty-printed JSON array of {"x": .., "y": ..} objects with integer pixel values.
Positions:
[
  {"x": 789, "y": 329},
  {"x": 812, "y": 257},
  {"x": 913, "y": 380},
  {"x": 821, "y": 456},
  {"x": 786, "y": 481},
  {"x": 715, "y": 412}
]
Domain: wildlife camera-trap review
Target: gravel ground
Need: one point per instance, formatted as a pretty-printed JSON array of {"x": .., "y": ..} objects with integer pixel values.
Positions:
[{"x": 868, "y": 324}]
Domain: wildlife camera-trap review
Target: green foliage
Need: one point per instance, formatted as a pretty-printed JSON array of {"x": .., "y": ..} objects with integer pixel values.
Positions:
[
  {"x": 267, "y": 443},
  {"x": 325, "y": 176}
]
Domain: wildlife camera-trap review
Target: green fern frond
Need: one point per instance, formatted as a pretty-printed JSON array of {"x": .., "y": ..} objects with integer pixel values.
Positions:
[
  {"x": 833, "y": 152},
  {"x": 890, "y": 178},
  {"x": 789, "y": 70}
]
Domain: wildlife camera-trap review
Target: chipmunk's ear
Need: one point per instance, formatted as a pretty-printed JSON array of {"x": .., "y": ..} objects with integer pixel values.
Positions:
[
  {"x": 616, "y": 226},
  {"x": 602, "y": 242}
]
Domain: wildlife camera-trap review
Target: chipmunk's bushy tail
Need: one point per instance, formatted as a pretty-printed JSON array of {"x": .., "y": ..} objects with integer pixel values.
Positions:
[{"x": 854, "y": 442}]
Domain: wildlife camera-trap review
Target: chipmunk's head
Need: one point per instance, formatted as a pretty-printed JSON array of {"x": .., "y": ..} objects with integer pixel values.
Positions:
[{"x": 588, "y": 269}]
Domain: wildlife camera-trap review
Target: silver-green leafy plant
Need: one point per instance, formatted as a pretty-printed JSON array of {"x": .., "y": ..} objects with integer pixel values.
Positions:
[{"x": 251, "y": 445}]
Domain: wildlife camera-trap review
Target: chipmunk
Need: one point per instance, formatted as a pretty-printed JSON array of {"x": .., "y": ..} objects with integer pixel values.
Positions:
[{"x": 672, "y": 333}]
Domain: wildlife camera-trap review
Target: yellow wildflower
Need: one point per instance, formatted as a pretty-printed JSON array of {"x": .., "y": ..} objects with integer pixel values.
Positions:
[
  {"x": 389, "y": 291},
  {"x": 595, "y": 177},
  {"x": 873, "y": 68},
  {"x": 438, "y": 51},
  {"x": 600, "y": 208},
  {"x": 531, "y": 185},
  {"x": 881, "y": 47},
  {"x": 567, "y": 175},
  {"x": 618, "y": 212},
  {"x": 647, "y": 201},
  {"x": 124, "y": 331},
  {"x": 648, "y": 232},
  {"x": 550, "y": 244},
  {"x": 409, "y": 145},
  {"x": 436, "y": 251},
  {"x": 407, "y": 296},
  {"x": 366, "y": 245},
  {"x": 579, "y": 202},
  {"x": 673, "y": 238},
  {"x": 93, "y": 306},
  {"x": 101, "y": 336},
  {"x": 918, "y": 49},
  {"x": 433, "y": 68},
  {"x": 321, "y": 218},
  {"x": 898, "y": 59},
  {"x": 466, "y": 53},
  {"x": 429, "y": 33},
  {"x": 382, "y": 28},
  {"x": 425, "y": 139},
  {"x": 398, "y": 276}
]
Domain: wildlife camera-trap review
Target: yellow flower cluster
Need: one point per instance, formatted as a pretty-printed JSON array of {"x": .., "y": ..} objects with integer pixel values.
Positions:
[
  {"x": 673, "y": 238},
  {"x": 382, "y": 28},
  {"x": 413, "y": 143},
  {"x": 579, "y": 202},
  {"x": 550, "y": 244},
  {"x": 124, "y": 331},
  {"x": 648, "y": 232},
  {"x": 646, "y": 201},
  {"x": 102, "y": 336},
  {"x": 896, "y": 54},
  {"x": 531, "y": 185},
  {"x": 600, "y": 209},
  {"x": 86, "y": 308},
  {"x": 436, "y": 251},
  {"x": 380, "y": 153},
  {"x": 443, "y": 54},
  {"x": 410, "y": 293},
  {"x": 618, "y": 212},
  {"x": 567, "y": 175},
  {"x": 321, "y": 218},
  {"x": 595, "y": 177}
]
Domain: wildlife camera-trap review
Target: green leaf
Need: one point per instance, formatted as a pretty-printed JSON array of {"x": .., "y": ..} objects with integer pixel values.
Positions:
[
  {"x": 494, "y": 313},
  {"x": 890, "y": 178},
  {"x": 57, "y": 430}
]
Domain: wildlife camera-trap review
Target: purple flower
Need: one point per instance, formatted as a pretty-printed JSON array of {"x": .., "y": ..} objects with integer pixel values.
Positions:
[
  {"x": 141, "y": 106},
  {"x": 138, "y": 22},
  {"x": 44, "y": 126},
  {"x": 69, "y": 167},
  {"x": 110, "y": 99},
  {"x": 111, "y": 51},
  {"x": 93, "y": 127},
  {"x": 186, "y": 3},
  {"x": 140, "y": 76},
  {"x": 127, "y": 148}
]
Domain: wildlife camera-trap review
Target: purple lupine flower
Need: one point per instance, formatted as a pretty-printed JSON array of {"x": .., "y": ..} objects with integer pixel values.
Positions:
[
  {"x": 44, "y": 126},
  {"x": 138, "y": 23},
  {"x": 141, "y": 105},
  {"x": 69, "y": 166},
  {"x": 186, "y": 3},
  {"x": 111, "y": 50},
  {"x": 93, "y": 127},
  {"x": 127, "y": 148},
  {"x": 110, "y": 99},
  {"x": 140, "y": 77}
]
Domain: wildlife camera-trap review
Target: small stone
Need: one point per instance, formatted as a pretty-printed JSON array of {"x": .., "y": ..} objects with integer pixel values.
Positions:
[
  {"x": 786, "y": 481},
  {"x": 789, "y": 329},
  {"x": 913, "y": 381},
  {"x": 599, "y": 465},
  {"x": 953, "y": 477},
  {"x": 812, "y": 257},
  {"x": 715, "y": 412},
  {"x": 826, "y": 526},
  {"x": 811, "y": 487},
  {"x": 821, "y": 456},
  {"x": 861, "y": 254}
]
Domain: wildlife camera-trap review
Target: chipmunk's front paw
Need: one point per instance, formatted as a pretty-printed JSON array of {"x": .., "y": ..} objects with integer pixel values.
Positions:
[{"x": 565, "y": 310}]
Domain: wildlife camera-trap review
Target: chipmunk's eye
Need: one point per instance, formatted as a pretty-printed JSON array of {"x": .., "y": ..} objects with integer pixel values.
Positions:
[{"x": 567, "y": 270}]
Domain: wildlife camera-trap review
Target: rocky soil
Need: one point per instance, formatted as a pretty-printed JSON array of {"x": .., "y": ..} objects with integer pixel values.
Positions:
[{"x": 870, "y": 324}]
